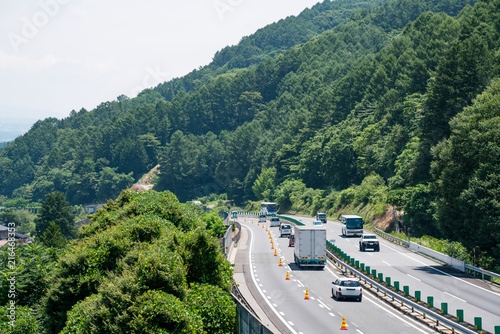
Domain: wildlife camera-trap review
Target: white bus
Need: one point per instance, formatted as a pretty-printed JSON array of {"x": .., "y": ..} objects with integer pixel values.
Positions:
[{"x": 268, "y": 208}]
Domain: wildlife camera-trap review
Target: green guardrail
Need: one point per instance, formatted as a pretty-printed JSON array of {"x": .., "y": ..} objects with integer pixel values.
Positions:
[{"x": 293, "y": 220}]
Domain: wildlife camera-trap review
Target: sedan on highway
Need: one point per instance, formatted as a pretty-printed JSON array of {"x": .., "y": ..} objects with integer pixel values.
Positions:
[
  {"x": 369, "y": 241},
  {"x": 318, "y": 223},
  {"x": 347, "y": 288}
]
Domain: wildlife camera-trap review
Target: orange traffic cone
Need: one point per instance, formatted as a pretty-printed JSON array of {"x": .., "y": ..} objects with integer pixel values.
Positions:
[
  {"x": 307, "y": 295},
  {"x": 258, "y": 224},
  {"x": 344, "y": 326},
  {"x": 287, "y": 278},
  {"x": 280, "y": 264},
  {"x": 275, "y": 254},
  {"x": 272, "y": 245}
]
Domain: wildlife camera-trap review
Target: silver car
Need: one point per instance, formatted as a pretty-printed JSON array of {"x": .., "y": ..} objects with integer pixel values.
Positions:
[{"x": 347, "y": 288}]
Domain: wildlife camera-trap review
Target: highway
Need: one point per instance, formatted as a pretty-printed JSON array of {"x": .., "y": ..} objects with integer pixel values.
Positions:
[
  {"x": 285, "y": 299},
  {"x": 477, "y": 298}
]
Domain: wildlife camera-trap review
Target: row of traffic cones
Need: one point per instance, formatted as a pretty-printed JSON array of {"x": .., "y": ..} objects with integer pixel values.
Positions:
[{"x": 287, "y": 277}]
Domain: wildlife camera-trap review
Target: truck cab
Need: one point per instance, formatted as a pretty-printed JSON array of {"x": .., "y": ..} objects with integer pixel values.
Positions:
[{"x": 321, "y": 216}]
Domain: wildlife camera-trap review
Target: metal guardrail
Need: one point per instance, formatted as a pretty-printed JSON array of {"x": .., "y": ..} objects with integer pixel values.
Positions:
[
  {"x": 427, "y": 313},
  {"x": 483, "y": 272},
  {"x": 392, "y": 238},
  {"x": 457, "y": 264}
]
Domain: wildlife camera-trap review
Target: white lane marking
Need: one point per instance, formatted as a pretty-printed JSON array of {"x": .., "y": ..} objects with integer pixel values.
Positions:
[
  {"x": 418, "y": 279},
  {"x": 442, "y": 272},
  {"x": 282, "y": 313},
  {"x": 331, "y": 272},
  {"x": 260, "y": 291},
  {"x": 387, "y": 263},
  {"x": 456, "y": 297},
  {"x": 360, "y": 332},
  {"x": 321, "y": 306},
  {"x": 389, "y": 312},
  {"x": 330, "y": 313},
  {"x": 291, "y": 323},
  {"x": 326, "y": 306}
]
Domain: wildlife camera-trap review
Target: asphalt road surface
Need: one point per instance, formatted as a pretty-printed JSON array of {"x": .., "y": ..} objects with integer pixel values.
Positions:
[{"x": 284, "y": 300}]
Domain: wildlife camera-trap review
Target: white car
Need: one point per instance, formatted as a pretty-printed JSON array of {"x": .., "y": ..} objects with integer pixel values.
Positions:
[
  {"x": 369, "y": 241},
  {"x": 285, "y": 229},
  {"x": 347, "y": 288}
]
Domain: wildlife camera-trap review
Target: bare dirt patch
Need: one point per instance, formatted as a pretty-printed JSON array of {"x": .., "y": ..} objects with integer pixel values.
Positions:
[{"x": 385, "y": 221}]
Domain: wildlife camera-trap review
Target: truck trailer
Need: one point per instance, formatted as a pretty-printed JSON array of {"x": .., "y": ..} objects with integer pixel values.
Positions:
[{"x": 310, "y": 246}]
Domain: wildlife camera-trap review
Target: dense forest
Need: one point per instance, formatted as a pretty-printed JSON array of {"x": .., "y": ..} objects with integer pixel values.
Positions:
[
  {"x": 146, "y": 264},
  {"x": 351, "y": 101}
]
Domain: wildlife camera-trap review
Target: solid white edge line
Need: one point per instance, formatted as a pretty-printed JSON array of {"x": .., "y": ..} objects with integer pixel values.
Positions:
[
  {"x": 260, "y": 291},
  {"x": 442, "y": 272},
  {"x": 326, "y": 306},
  {"x": 395, "y": 315},
  {"x": 384, "y": 309}
]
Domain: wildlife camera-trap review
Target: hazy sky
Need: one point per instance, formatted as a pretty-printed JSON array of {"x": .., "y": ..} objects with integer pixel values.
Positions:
[{"x": 60, "y": 55}]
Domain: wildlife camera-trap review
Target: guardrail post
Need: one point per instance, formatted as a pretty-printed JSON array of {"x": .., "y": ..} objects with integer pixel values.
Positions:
[
  {"x": 478, "y": 323},
  {"x": 396, "y": 286},
  {"x": 406, "y": 290},
  {"x": 430, "y": 302},
  {"x": 368, "y": 270},
  {"x": 444, "y": 308},
  {"x": 417, "y": 296},
  {"x": 362, "y": 265},
  {"x": 374, "y": 273},
  {"x": 460, "y": 316},
  {"x": 387, "y": 281},
  {"x": 380, "y": 277},
  {"x": 497, "y": 329},
  {"x": 356, "y": 264}
]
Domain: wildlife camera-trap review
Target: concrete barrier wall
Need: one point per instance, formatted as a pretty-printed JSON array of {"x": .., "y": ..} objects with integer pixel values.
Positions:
[{"x": 457, "y": 264}]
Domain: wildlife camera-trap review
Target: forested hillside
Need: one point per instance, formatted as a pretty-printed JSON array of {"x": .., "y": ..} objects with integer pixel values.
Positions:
[
  {"x": 396, "y": 96},
  {"x": 146, "y": 264}
]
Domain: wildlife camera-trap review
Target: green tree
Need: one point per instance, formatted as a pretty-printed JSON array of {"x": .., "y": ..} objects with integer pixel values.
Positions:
[
  {"x": 56, "y": 209},
  {"x": 265, "y": 183},
  {"x": 215, "y": 306},
  {"x": 53, "y": 237},
  {"x": 467, "y": 175}
]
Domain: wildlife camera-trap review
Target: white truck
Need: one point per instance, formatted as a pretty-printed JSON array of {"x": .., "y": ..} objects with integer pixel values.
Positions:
[{"x": 310, "y": 246}]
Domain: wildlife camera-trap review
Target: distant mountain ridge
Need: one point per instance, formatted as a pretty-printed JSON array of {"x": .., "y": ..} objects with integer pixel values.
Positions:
[{"x": 397, "y": 104}]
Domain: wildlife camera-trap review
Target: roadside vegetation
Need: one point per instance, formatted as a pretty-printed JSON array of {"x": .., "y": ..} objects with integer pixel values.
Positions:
[{"x": 145, "y": 264}]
